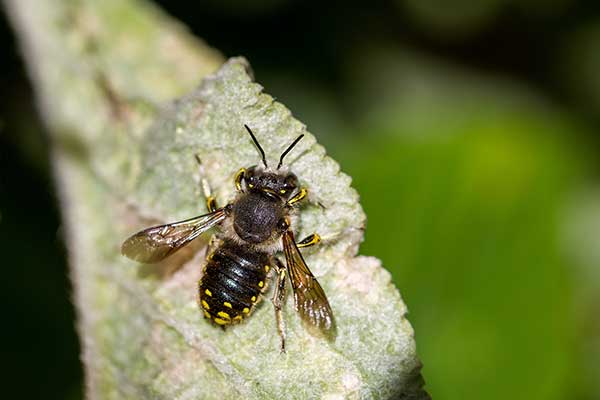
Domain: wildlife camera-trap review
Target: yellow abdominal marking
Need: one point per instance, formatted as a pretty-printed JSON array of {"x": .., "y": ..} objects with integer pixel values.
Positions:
[
  {"x": 205, "y": 305},
  {"x": 261, "y": 284},
  {"x": 267, "y": 268},
  {"x": 220, "y": 321},
  {"x": 208, "y": 293},
  {"x": 206, "y": 314},
  {"x": 237, "y": 318},
  {"x": 253, "y": 299},
  {"x": 246, "y": 310},
  {"x": 223, "y": 314},
  {"x": 227, "y": 304}
]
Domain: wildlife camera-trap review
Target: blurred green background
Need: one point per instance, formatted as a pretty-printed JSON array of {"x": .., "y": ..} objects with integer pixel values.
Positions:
[{"x": 470, "y": 129}]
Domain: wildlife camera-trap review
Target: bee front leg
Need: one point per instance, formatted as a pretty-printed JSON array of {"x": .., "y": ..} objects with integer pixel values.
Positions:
[{"x": 279, "y": 299}]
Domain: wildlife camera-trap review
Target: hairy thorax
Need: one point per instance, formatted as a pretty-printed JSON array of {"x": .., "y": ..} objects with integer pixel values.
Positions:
[{"x": 257, "y": 217}]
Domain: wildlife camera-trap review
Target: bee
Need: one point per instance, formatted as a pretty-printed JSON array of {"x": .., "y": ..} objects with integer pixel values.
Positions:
[{"x": 253, "y": 228}]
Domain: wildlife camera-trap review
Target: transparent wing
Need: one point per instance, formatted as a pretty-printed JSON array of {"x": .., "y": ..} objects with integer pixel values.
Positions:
[
  {"x": 310, "y": 300},
  {"x": 154, "y": 244}
]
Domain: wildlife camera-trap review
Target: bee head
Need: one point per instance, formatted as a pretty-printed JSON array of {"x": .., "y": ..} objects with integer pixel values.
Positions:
[
  {"x": 276, "y": 183},
  {"x": 271, "y": 183}
]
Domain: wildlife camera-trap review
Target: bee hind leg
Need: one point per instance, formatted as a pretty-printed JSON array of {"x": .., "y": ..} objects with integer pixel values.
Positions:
[{"x": 279, "y": 299}]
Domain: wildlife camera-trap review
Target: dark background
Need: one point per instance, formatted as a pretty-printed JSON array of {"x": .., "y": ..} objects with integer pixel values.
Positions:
[{"x": 477, "y": 124}]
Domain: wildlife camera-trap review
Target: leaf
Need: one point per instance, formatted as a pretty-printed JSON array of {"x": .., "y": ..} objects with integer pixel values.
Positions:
[{"x": 123, "y": 161}]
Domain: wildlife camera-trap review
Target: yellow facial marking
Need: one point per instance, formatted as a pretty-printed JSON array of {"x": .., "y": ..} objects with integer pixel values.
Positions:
[
  {"x": 246, "y": 310},
  {"x": 220, "y": 321},
  {"x": 250, "y": 185},
  {"x": 282, "y": 191},
  {"x": 253, "y": 299},
  {"x": 267, "y": 268},
  {"x": 223, "y": 314},
  {"x": 208, "y": 293},
  {"x": 261, "y": 284},
  {"x": 227, "y": 304},
  {"x": 205, "y": 305}
]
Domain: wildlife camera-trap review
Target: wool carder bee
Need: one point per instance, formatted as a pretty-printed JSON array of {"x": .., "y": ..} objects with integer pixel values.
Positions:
[{"x": 253, "y": 228}]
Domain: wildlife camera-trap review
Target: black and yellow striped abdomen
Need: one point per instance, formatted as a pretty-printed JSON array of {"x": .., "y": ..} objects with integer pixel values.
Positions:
[{"x": 233, "y": 280}]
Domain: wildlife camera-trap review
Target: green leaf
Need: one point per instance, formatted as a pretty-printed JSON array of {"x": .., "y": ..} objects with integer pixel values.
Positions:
[{"x": 123, "y": 160}]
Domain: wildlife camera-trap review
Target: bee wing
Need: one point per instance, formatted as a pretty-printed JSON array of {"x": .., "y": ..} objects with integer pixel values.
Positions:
[
  {"x": 158, "y": 242},
  {"x": 309, "y": 297}
]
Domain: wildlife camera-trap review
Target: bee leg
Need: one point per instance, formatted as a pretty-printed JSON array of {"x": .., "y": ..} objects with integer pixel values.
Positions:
[
  {"x": 211, "y": 202},
  {"x": 298, "y": 196},
  {"x": 238, "y": 179},
  {"x": 308, "y": 241},
  {"x": 278, "y": 300},
  {"x": 213, "y": 244}
]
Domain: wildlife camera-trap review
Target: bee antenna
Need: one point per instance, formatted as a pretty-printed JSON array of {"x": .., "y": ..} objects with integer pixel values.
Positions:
[
  {"x": 288, "y": 150},
  {"x": 262, "y": 152}
]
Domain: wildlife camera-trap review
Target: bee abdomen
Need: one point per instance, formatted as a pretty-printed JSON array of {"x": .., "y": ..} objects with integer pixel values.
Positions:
[{"x": 234, "y": 278}]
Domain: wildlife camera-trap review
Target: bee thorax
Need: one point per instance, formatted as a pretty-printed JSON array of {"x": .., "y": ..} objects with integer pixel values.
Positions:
[{"x": 256, "y": 217}]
